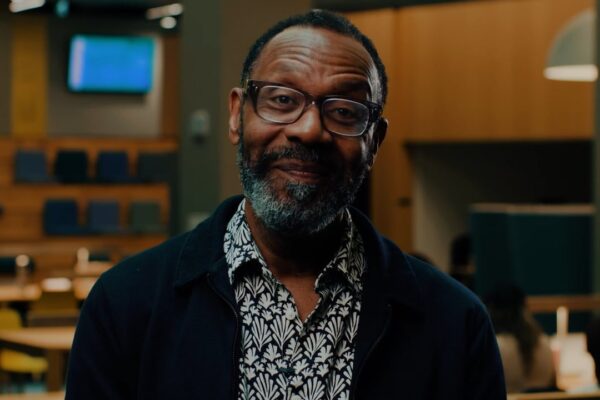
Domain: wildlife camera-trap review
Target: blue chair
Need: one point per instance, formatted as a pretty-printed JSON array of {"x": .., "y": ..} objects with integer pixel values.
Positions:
[
  {"x": 112, "y": 167},
  {"x": 60, "y": 217},
  {"x": 30, "y": 166},
  {"x": 156, "y": 167},
  {"x": 103, "y": 217},
  {"x": 144, "y": 217},
  {"x": 71, "y": 166}
]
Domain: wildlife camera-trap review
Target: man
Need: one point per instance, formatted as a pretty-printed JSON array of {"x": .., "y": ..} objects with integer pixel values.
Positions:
[{"x": 289, "y": 293}]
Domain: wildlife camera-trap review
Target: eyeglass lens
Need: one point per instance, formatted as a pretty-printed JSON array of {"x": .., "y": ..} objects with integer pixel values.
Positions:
[{"x": 285, "y": 105}]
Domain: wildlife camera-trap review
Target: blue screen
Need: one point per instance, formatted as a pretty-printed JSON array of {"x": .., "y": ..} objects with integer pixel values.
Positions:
[{"x": 112, "y": 64}]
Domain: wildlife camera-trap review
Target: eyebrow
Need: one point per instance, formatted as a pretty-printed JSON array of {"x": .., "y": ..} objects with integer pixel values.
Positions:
[{"x": 353, "y": 86}]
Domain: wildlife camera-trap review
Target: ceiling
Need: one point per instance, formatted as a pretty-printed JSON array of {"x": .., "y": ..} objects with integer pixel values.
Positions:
[
  {"x": 120, "y": 3},
  {"x": 337, "y": 5},
  {"x": 133, "y": 8},
  {"x": 355, "y": 5},
  {"x": 137, "y": 8}
]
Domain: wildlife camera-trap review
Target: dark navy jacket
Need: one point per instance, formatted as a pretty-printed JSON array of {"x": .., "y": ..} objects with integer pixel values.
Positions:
[{"x": 164, "y": 325}]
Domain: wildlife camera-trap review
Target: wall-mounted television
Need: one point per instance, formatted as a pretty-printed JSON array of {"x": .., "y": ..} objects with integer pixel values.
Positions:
[{"x": 111, "y": 64}]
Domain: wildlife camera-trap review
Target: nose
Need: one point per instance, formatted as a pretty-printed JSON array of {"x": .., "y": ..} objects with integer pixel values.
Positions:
[{"x": 309, "y": 127}]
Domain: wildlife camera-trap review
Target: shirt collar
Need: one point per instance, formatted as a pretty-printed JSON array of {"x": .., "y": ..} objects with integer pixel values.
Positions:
[{"x": 347, "y": 265}]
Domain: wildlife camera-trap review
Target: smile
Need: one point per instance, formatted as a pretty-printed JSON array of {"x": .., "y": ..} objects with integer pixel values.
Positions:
[{"x": 303, "y": 171}]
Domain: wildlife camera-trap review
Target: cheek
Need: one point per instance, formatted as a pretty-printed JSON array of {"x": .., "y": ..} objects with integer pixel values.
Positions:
[
  {"x": 258, "y": 137},
  {"x": 354, "y": 154}
]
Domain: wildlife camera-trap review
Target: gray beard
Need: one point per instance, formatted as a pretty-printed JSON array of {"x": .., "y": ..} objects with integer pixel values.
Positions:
[{"x": 304, "y": 209}]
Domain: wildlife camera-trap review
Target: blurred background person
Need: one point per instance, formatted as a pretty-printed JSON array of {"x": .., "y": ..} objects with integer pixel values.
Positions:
[
  {"x": 524, "y": 347},
  {"x": 462, "y": 267}
]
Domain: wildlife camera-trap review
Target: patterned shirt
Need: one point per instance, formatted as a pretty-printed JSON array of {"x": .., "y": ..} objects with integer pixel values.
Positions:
[{"x": 284, "y": 358}]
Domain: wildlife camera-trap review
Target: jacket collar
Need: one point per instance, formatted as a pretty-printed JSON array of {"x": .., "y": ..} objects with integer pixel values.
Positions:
[
  {"x": 390, "y": 274},
  {"x": 203, "y": 246}
]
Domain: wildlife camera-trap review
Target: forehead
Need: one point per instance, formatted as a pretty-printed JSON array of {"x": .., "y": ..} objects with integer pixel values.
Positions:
[{"x": 317, "y": 57}]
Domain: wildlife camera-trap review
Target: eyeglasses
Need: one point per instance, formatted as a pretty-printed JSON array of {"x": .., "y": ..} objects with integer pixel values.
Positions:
[{"x": 284, "y": 105}]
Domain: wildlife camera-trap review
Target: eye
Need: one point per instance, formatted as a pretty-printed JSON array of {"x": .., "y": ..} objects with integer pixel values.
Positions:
[
  {"x": 282, "y": 99},
  {"x": 344, "y": 113}
]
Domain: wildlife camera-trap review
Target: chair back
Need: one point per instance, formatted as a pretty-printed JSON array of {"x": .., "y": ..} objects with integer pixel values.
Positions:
[
  {"x": 30, "y": 166},
  {"x": 60, "y": 217},
  {"x": 103, "y": 216},
  {"x": 144, "y": 217},
  {"x": 10, "y": 319},
  {"x": 57, "y": 305},
  {"x": 156, "y": 167},
  {"x": 71, "y": 166},
  {"x": 112, "y": 166}
]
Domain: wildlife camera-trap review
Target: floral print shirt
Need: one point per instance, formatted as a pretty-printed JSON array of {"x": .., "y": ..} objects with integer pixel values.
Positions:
[{"x": 282, "y": 357}]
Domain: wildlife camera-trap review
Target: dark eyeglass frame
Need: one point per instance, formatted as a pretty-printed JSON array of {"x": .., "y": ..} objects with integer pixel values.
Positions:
[{"x": 252, "y": 87}]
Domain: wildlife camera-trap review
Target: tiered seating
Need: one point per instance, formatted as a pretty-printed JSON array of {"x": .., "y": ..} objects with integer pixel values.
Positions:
[
  {"x": 71, "y": 166},
  {"x": 112, "y": 167},
  {"x": 30, "y": 166},
  {"x": 144, "y": 217},
  {"x": 60, "y": 217},
  {"x": 103, "y": 216}
]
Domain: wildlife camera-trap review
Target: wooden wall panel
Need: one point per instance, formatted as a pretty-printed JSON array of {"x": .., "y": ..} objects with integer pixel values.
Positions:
[
  {"x": 29, "y": 84},
  {"x": 391, "y": 176},
  {"x": 473, "y": 71}
]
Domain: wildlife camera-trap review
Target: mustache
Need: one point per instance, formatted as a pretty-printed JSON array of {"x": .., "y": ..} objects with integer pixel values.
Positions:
[
  {"x": 300, "y": 153},
  {"x": 297, "y": 152}
]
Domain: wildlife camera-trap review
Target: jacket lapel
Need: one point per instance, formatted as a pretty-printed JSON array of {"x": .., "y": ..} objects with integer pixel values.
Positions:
[
  {"x": 389, "y": 286},
  {"x": 203, "y": 249}
]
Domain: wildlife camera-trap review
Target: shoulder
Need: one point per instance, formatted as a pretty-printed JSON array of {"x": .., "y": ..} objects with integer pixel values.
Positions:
[
  {"x": 125, "y": 294},
  {"x": 183, "y": 256},
  {"x": 147, "y": 266}
]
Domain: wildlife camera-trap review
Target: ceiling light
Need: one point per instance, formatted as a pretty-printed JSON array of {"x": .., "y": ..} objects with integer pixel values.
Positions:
[
  {"x": 24, "y": 5},
  {"x": 572, "y": 56},
  {"x": 61, "y": 8},
  {"x": 168, "y": 22},
  {"x": 170, "y": 10}
]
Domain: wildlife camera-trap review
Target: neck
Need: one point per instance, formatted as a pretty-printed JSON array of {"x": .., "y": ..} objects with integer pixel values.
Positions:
[{"x": 294, "y": 256}]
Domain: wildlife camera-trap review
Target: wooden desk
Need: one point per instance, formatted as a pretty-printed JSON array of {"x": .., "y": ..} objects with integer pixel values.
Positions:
[
  {"x": 52, "y": 343},
  {"x": 34, "y": 396},
  {"x": 32, "y": 291},
  {"x": 554, "y": 396},
  {"x": 549, "y": 304},
  {"x": 15, "y": 292}
]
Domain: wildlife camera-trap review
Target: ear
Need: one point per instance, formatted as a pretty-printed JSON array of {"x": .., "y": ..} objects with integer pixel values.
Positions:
[
  {"x": 235, "y": 114},
  {"x": 377, "y": 139}
]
